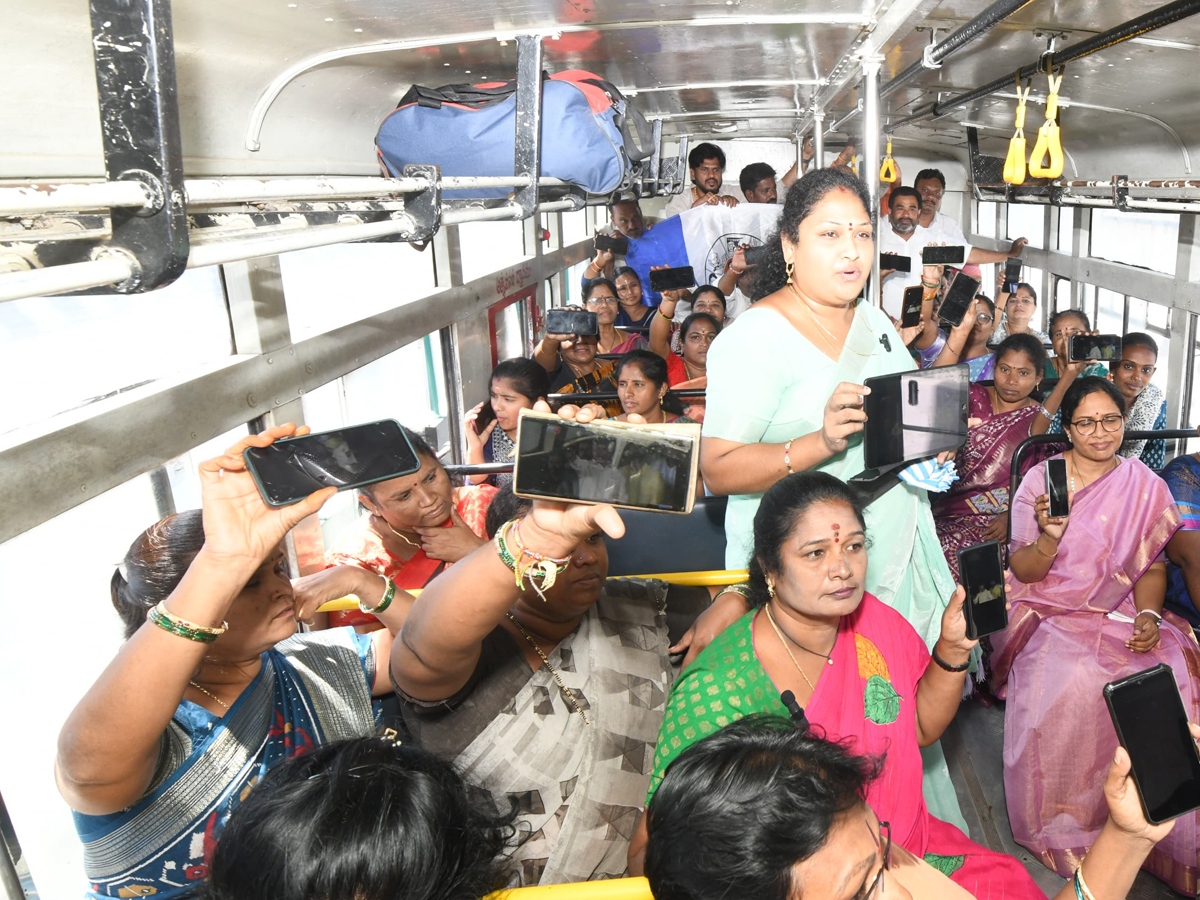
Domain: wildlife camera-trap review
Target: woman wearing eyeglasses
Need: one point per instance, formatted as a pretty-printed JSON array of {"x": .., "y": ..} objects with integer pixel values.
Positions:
[
  {"x": 1086, "y": 593},
  {"x": 600, "y": 297},
  {"x": 1016, "y": 314}
]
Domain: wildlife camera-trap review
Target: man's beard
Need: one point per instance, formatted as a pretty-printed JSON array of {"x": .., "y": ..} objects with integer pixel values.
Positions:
[
  {"x": 903, "y": 227},
  {"x": 702, "y": 189}
]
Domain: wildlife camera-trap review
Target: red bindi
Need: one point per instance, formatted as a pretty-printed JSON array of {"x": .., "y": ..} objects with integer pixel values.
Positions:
[{"x": 836, "y": 532}]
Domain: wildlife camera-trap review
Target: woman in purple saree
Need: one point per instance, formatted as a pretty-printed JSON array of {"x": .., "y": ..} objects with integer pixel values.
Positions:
[
  {"x": 975, "y": 508},
  {"x": 1086, "y": 594}
]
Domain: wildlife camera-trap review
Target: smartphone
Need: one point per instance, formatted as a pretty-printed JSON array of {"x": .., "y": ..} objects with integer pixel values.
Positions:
[
  {"x": 1012, "y": 274},
  {"x": 652, "y": 467},
  {"x": 569, "y": 320},
  {"x": 910, "y": 315},
  {"x": 484, "y": 417},
  {"x": 981, "y": 571},
  {"x": 914, "y": 415},
  {"x": 895, "y": 261},
  {"x": 1056, "y": 488},
  {"x": 672, "y": 279},
  {"x": 1152, "y": 725},
  {"x": 1094, "y": 346},
  {"x": 289, "y": 470},
  {"x": 754, "y": 255},
  {"x": 943, "y": 256},
  {"x": 956, "y": 298},
  {"x": 614, "y": 244}
]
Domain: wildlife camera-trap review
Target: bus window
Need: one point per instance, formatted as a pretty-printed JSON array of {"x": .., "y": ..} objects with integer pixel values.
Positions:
[
  {"x": 1062, "y": 293},
  {"x": 1149, "y": 240},
  {"x": 182, "y": 474},
  {"x": 1153, "y": 320},
  {"x": 490, "y": 246},
  {"x": 1066, "y": 229},
  {"x": 985, "y": 218},
  {"x": 1110, "y": 312},
  {"x": 1027, "y": 220}
]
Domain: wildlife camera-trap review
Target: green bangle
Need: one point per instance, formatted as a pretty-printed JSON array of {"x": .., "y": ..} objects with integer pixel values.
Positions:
[
  {"x": 178, "y": 628},
  {"x": 389, "y": 594},
  {"x": 741, "y": 588}
]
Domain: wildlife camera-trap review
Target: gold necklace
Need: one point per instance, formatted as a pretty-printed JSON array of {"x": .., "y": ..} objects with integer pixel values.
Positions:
[
  {"x": 399, "y": 534},
  {"x": 832, "y": 349},
  {"x": 206, "y": 691},
  {"x": 828, "y": 657},
  {"x": 566, "y": 691}
]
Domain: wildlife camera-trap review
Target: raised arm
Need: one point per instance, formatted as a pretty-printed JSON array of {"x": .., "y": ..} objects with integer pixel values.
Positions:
[
  {"x": 109, "y": 748},
  {"x": 545, "y": 354},
  {"x": 661, "y": 325},
  {"x": 939, "y": 691},
  {"x": 957, "y": 340},
  {"x": 980, "y": 257},
  {"x": 737, "y": 267}
]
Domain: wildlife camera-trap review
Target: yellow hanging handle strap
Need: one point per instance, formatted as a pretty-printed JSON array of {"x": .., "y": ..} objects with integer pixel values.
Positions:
[
  {"x": 887, "y": 171},
  {"x": 1049, "y": 142},
  {"x": 1014, "y": 163}
]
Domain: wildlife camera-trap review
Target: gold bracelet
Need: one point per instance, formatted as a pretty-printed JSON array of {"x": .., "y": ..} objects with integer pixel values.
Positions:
[
  {"x": 787, "y": 457},
  {"x": 1038, "y": 548},
  {"x": 166, "y": 620}
]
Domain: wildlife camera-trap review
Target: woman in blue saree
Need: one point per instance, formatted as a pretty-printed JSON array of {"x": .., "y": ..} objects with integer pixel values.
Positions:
[{"x": 213, "y": 686}]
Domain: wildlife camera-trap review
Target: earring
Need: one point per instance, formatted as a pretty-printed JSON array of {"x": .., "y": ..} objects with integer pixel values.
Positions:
[
  {"x": 791, "y": 267},
  {"x": 771, "y": 589}
]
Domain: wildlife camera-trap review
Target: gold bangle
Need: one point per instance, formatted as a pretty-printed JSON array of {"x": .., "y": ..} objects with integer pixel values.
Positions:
[
  {"x": 787, "y": 457},
  {"x": 1038, "y": 547},
  {"x": 166, "y": 620}
]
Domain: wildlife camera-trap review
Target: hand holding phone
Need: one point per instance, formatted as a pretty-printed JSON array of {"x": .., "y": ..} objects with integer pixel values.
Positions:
[
  {"x": 981, "y": 571},
  {"x": 1012, "y": 274},
  {"x": 571, "y": 321},
  {"x": 844, "y": 415},
  {"x": 910, "y": 315},
  {"x": 1084, "y": 347},
  {"x": 672, "y": 279},
  {"x": 896, "y": 262},
  {"x": 943, "y": 256},
  {"x": 614, "y": 245},
  {"x": 1058, "y": 506}
]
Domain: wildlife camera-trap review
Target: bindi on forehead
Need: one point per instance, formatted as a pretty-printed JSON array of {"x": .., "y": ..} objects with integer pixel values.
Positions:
[{"x": 837, "y": 532}]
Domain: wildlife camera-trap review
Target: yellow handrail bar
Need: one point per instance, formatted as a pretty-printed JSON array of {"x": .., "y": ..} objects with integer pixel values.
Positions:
[{"x": 608, "y": 889}]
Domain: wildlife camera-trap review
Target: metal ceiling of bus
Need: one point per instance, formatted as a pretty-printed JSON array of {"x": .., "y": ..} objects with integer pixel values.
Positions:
[{"x": 734, "y": 71}]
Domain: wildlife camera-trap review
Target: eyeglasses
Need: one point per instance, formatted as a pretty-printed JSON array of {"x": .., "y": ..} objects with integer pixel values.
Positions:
[
  {"x": 984, "y": 319},
  {"x": 885, "y": 841},
  {"x": 1088, "y": 426},
  {"x": 601, "y": 301},
  {"x": 1130, "y": 367}
]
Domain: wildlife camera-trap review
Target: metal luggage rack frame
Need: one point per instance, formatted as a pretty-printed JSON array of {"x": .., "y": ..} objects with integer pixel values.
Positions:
[{"x": 143, "y": 226}]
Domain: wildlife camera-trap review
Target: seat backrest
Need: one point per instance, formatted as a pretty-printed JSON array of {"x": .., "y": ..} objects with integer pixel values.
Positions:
[{"x": 659, "y": 542}]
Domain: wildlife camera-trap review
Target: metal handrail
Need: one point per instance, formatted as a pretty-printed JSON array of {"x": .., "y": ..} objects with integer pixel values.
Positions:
[{"x": 604, "y": 397}]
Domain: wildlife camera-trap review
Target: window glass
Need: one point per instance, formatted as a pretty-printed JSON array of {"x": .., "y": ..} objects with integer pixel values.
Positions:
[
  {"x": 575, "y": 227},
  {"x": 1026, "y": 220},
  {"x": 64, "y": 352},
  {"x": 1110, "y": 312},
  {"x": 510, "y": 331},
  {"x": 58, "y": 572},
  {"x": 1066, "y": 228},
  {"x": 181, "y": 471},
  {"x": 1149, "y": 240},
  {"x": 1062, "y": 293},
  {"x": 1153, "y": 319},
  {"x": 985, "y": 218},
  {"x": 1089, "y": 302},
  {"x": 328, "y": 287},
  {"x": 488, "y": 247}
]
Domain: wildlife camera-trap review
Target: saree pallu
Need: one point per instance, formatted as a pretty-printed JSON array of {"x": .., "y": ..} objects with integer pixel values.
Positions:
[
  {"x": 312, "y": 689},
  {"x": 1060, "y": 649},
  {"x": 867, "y": 698},
  {"x": 981, "y": 492},
  {"x": 598, "y": 381}
]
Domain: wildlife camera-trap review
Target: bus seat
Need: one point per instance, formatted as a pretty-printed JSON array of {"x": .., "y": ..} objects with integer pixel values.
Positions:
[
  {"x": 607, "y": 889},
  {"x": 660, "y": 542}
]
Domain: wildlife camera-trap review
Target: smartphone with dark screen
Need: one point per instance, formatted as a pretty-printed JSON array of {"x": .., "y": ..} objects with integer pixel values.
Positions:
[
  {"x": 289, "y": 470},
  {"x": 915, "y": 415},
  {"x": 675, "y": 279},
  {"x": 1012, "y": 274},
  {"x": 1056, "y": 488},
  {"x": 943, "y": 256},
  {"x": 651, "y": 467},
  {"x": 897, "y": 262},
  {"x": 981, "y": 572},
  {"x": 614, "y": 244},
  {"x": 1152, "y": 725},
  {"x": 754, "y": 255},
  {"x": 485, "y": 417},
  {"x": 910, "y": 311},
  {"x": 957, "y": 299},
  {"x": 567, "y": 320},
  {"x": 1105, "y": 347}
]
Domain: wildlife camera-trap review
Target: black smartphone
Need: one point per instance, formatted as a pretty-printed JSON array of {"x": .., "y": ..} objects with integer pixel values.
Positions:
[
  {"x": 896, "y": 261},
  {"x": 674, "y": 279},
  {"x": 754, "y": 255},
  {"x": 1012, "y": 274},
  {"x": 289, "y": 470},
  {"x": 1056, "y": 488},
  {"x": 614, "y": 244},
  {"x": 981, "y": 571},
  {"x": 914, "y": 415},
  {"x": 484, "y": 417},
  {"x": 568, "y": 320},
  {"x": 1094, "y": 346},
  {"x": 1152, "y": 725},
  {"x": 910, "y": 313},
  {"x": 943, "y": 256},
  {"x": 957, "y": 298},
  {"x": 605, "y": 461}
]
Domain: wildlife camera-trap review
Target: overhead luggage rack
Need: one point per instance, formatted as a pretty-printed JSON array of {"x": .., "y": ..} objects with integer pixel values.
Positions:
[{"x": 146, "y": 224}]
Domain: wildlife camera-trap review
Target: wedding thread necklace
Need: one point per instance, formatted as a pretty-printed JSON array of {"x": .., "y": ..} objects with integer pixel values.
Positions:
[
  {"x": 828, "y": 340},
  {"x": 399, "y": 534},
  {"x": 566, "y": 691},
  {"x": 828, "y": 657},
  {"x": 206, "y": 691}
]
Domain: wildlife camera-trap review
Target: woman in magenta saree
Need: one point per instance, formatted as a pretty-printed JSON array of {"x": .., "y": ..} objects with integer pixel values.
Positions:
[
  {"x": 974, "y": 508},
  {"x": 1086, "y": 594}
]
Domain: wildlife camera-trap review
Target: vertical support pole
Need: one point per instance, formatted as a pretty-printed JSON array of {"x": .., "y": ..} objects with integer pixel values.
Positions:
[
  {"x": 799, "y": 154},
  {"x": 650, "y": 187},
  {"x": 869, "y": 171},
  {"x": 447, "y": 259},
  {"x": 528, "y": 137},
  {"x": 134, "y": 54},
  {"x": 1081, "y": 242},
  {"x": 10, "y": 855},
  {"x": 819, "y": 139},
  {"x": 1187, "y": 259}
]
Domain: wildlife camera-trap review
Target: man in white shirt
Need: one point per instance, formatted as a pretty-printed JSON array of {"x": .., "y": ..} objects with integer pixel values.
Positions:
[
  {"x": 930, "y": 184},
  {"x": 902, "y": 234},
  {"x": 707, "y": 162}
]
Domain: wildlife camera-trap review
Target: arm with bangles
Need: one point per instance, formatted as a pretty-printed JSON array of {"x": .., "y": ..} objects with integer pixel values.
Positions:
[
  {"x": 735, "y": 270},
  {"x": 601, "y": 266},
  {"x": 545, "y": 354},
  {"x": 1149, "y": 595},
  {"x": 661, "y": 325},
  {"x": 940, "y": 689},
  {"x": 931, "y": 277},
  {"x": 957, "y": 339},
  {"x": 1041, "y": 423}
]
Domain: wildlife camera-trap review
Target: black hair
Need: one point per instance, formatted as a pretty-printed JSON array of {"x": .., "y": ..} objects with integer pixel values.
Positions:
[
  {"x": 905, "y": 192},
  {"x": 697, "y": 317},
  {"x": 1027, "y": 344},
  {"x": 654, "y": 367},
  {"x": 710, "y": 289},
  {"x": 1139, "y": 339},
  {"x": 926, "y": 174},
  {"x": 1028, "y": 287},
  {"x": 623, "y": 198},
  {"x": 752, "y": 174},
  {"x": 739, "y": 809},
  {"x": 591, "y": 285},
  {"x": 1081, "y": 388},
  {"x": 419, "y": 445},
  {"x": 623, "y": 270},
  {"x": 984, "y": 298},
  {"x": 362, "y": 819},
  {"x": 154, "y": 565},
  {"x": 1063, "y": 313},
  {"x": 527, "y": 378},
  {"x": 504, "y": 506},
  {"x": 771, "y": 273},
  {"x": 779, "y": 511},
  {"x": 701, "y": 152}
]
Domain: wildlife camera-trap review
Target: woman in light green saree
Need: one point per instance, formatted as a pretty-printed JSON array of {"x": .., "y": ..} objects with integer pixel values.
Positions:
[{"x": 785, "y": 394}]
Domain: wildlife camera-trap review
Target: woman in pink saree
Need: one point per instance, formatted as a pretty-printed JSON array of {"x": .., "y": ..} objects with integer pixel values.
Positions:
[
  {"x": 975, "y": 509},
  {"x": 1086, "y": 594}
]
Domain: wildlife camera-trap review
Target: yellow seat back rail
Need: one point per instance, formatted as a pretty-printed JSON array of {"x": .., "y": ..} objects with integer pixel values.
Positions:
[{"x": 608, "y": 889}]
